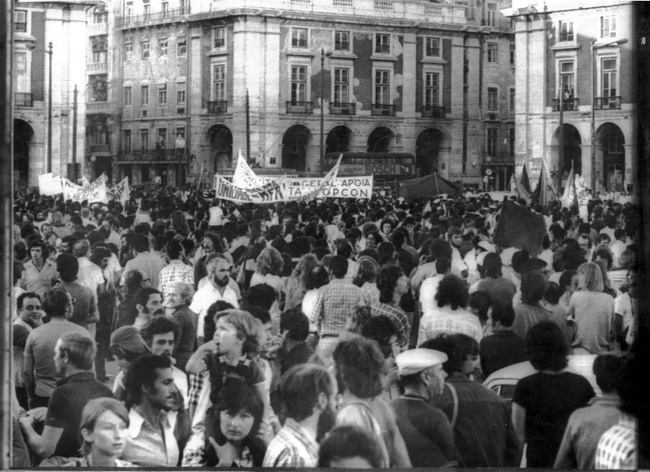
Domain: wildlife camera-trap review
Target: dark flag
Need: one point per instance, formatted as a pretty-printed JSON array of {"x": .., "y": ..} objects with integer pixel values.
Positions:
[
  {"x": 525, "y": 182},
  {"x": 545, "y": 192},
  {"x": 519, "y": 227}
]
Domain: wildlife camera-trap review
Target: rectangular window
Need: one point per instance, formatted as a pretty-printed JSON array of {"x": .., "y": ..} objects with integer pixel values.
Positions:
[
  {"x": 299, "y": 37},
  {"x": 20, "y": 21},
  {"x": 298, "y": 83},
  {"x": 162, "y": 47},
  {"x": 432, "y": 47},
  {"x": 493, "y": 99},
  {"x": 162, "y": 137},
  {"x": 609, "y": 77},
  {"x": 144, "y": 139},
  {"x": 342, "y": 40},
  {"x": 566, "y": 30},
  {"x": 608, "y": 27},
  {"x": 492, "y": 53},
  {"x": 127, "y": 140},
  {"x": 511, "y": 101},
  {"x": 181, "y": 47},
  {"x": 164, "y": 8},
  {"x": 491, "y": 19},
  {"x": 341, "y": 85},
  {"x": 513, "y": 57},
  {"x": 219, "y": 82},
  {"x": 511, "y": 142},
  {"x": 144, "y": 45},
  {"x": 162, "y": 94},
  {"x": 180, "y": 132},
  {"x": 128, "y": 96},
  {"x": 219, "y": 37},
  {"x": 144, "y": 95},
  {"x": 382, "y": 87},
  {"x": 129, "y": 11},
  {"x": 382, "y": 43},
  {"x": 146, "y": 12},
  {"x": 128, "y": 51},
  {"x": 567, "y": 78},
  {"x": 432, "y": 89},
  {"x": 100, "y": 17},
  {"x": 180, "y": 93},
  {"x": 183, "y": 8},
  {"x": 99, "y": 50},
  {"x": 492, "y": 142}
]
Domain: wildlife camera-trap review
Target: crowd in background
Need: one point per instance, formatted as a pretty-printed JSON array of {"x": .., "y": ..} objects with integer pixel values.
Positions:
[{"x": 320, "y": 334}]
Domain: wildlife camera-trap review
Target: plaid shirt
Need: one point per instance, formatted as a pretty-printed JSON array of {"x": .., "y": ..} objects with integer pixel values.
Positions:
[
  {"x": 173, "y": 273},
  {"x": 399, "y": 318},
  {"x": 196, "y": 385},
  {"x": 292, "y": 447},
  {"x": 336, "y": 300}
]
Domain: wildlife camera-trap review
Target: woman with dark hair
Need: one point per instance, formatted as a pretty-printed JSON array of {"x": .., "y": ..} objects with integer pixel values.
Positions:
[
  {"x": 451, "y": 315},
  {"x": 350, "y": 447},
  {"x": 483, "y": 432},
  {"x": 543, "y": 402},
  {"x": 386, "y": 254},
  {"x": 387, "y": 226},
  {"x": 392, "y": 285},
  {"x": 239, "y": 416},
  {"x": 373, "y": 239},
  {"x": 530, "y": 311},
  {"x": 294, "y": 287},
  {"x": 366, "y": 279}
]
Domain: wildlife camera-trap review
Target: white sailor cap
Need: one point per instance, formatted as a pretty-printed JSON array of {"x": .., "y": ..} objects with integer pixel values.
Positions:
[{"x": 414, "y": 361}]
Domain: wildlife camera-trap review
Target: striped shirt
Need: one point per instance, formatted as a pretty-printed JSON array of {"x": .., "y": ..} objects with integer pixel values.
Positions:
[
  {"x": 335, "y": 301},
  {"x": 397, "y": 315},
  {"x": 293, "y": 446},
  {"x": 171, "y": 274}
]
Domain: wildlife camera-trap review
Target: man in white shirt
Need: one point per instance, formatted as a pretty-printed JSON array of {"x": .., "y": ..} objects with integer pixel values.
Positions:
[
  {"x": 429, "y": 287},
  {"x": 218, "y": 273}
]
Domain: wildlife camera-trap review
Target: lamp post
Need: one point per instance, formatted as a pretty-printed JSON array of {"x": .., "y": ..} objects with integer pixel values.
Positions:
[
  {"x": 49, "y": 112},
  {"x": 594, "y": 47},
  {"x": 322, "y": 107}
]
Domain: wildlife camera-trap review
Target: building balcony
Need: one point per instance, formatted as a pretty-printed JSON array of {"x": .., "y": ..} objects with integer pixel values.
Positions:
[
  {"x": 568, "y": 104},
  {"x": 430, "y": 111},
  {"x": 95, "y": 29},
  {"x": 98, "y": 107},
  {"x": 99, "y": 149},
  {"x": 97, "y": 67},
  {"x": 382, "y": 109},
  {"x": 453, "y": 12},
  {"x": 160, "y": 17},
  {"x": 23, "y": 100},
  {"x": 343, "y": 108},
  {"x": 217, "y": 107},
  {"x": 152, "y": 155},
  {"x": 304, "y": 108},
  {"x": 608, "y": 103}
]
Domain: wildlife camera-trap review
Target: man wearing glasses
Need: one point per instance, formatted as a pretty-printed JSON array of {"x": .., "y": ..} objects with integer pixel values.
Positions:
[{"x": 39, "y": 371}]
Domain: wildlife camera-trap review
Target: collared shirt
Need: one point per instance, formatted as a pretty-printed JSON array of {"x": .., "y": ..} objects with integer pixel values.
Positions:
[
  {"x": 293, "y": 446},
  {"x": 205, "y": 297},
  {"x": 446, "y": 320},
  {"x": 336, "y": 300},
  {"x": 174, "y": 272},
  {"x": 617, "y": 447},
  {"x": 90, "y": 275},
  {"x": 147, "y": 446},
  {"x": 398, "y": 317},
  {"x": 148, "y": 263},
  {"x": 39, "y": 281}
]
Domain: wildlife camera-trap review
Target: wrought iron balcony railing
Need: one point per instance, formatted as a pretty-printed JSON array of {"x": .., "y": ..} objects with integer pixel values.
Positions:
[
  {"x": 305, "y": 108},
  {"x": 382, "y": 109},
  {"x": 343, "y": 108},
  {"x": 568, "y": 104},
  {"x": 608, "y": 103}
]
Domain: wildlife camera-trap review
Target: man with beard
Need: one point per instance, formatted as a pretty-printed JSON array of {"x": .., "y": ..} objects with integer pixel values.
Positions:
[
  {"x": 151, "y": 393},
  {"x": 148, "y": 302},
  {"x": 218, "y": 289},
  {"x": 309, "y": 393},
  {"x": 74, "y": 355},
  {"x": 426, "y": 430}
]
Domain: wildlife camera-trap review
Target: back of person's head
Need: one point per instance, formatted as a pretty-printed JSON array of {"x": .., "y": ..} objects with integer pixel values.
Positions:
[
  {"x": 339, "y": 266},
  {"x": 174, "y": 249},
  {"x": 295, "y": 323},
  {"x": 348, "y": 442},
  {"x": 547, "y": 346},
  {"x": 452, "y": 291},
  {"x": 398, "y": 239},
  {"x": 503, "y": 314},
  {"x": 142, "y": 375},
  {"x": 357, "y": 318},
  {"x": 81, "y": 248},
  {"x": 492, "y": 265},
  {"x": 344, "y": 248},
  {"x": 480, "y": 302},
  {"x": 141, "y": 243},
  {"x": 359, "y": 363},
  {"x": 301, "y": 388},
  {"x": 67, "y": 266},
  {"x": 385, "y": 253},
  {"x": 458, "y": 348},
  {"x": 533, "y": 285},
  {"x": 91, "y": 413},
  {"x": 566, "y": 279},
  {"x": 133, "y": 281},
  {"x": 380, "y": 329},
  {"x": 592, "y": 277},
  {"x": 387, "y": 281},
  {"x": 316, "y": 277},
  {"x": 443, "y": 265},
  {"x": 607, "y": 368},
  {"x": 552, "y": 293},
  {"x": 79, "y": 349},
  {"x": 519, "y": 259},
  {"x": 260, "y": 295},
  {"x": 367, "y": 269},
  {"x": 159, "y": 325},
  {"x": 55, "y": 302}
]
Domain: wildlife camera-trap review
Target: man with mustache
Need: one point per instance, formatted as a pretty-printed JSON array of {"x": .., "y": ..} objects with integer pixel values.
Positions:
[
  {"x": 148, "y": 302},
  {"x": 309, "y": 393}
]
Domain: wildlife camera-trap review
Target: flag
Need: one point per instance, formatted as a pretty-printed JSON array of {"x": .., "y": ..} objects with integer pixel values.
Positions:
[
  {"x": 48, "y": 184},
  {"x": 569, "y": 194},
  {"x": 544, "y": 193},
  {"x": 525, "y": 182},
  {"x": 582, "y": 197},
  {"x": 244, "y": 176},
  {"x": 122, "y": 192},
  {"x": 521, "y": 192},
  {"x": 519, "y": 227}
]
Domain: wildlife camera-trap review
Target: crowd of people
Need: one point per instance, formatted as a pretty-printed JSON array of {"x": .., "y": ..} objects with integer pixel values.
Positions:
[{"x": 320, "y": 334}]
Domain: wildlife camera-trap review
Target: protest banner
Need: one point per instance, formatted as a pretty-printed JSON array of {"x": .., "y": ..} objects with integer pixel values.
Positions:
[
  {"x": 48, "y": 184},
  {"x": 121, "y": 192},
  {"x": 245, "y": 177},
  {"x": 77, "y": 193},
  {"x": 583, "y": 198}
]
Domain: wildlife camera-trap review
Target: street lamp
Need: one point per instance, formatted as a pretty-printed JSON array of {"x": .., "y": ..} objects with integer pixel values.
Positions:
[
  {"x": 49, "y": 112},
  {"x": 595, "y": 46},
  {"x": 322, "y": 106}
]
